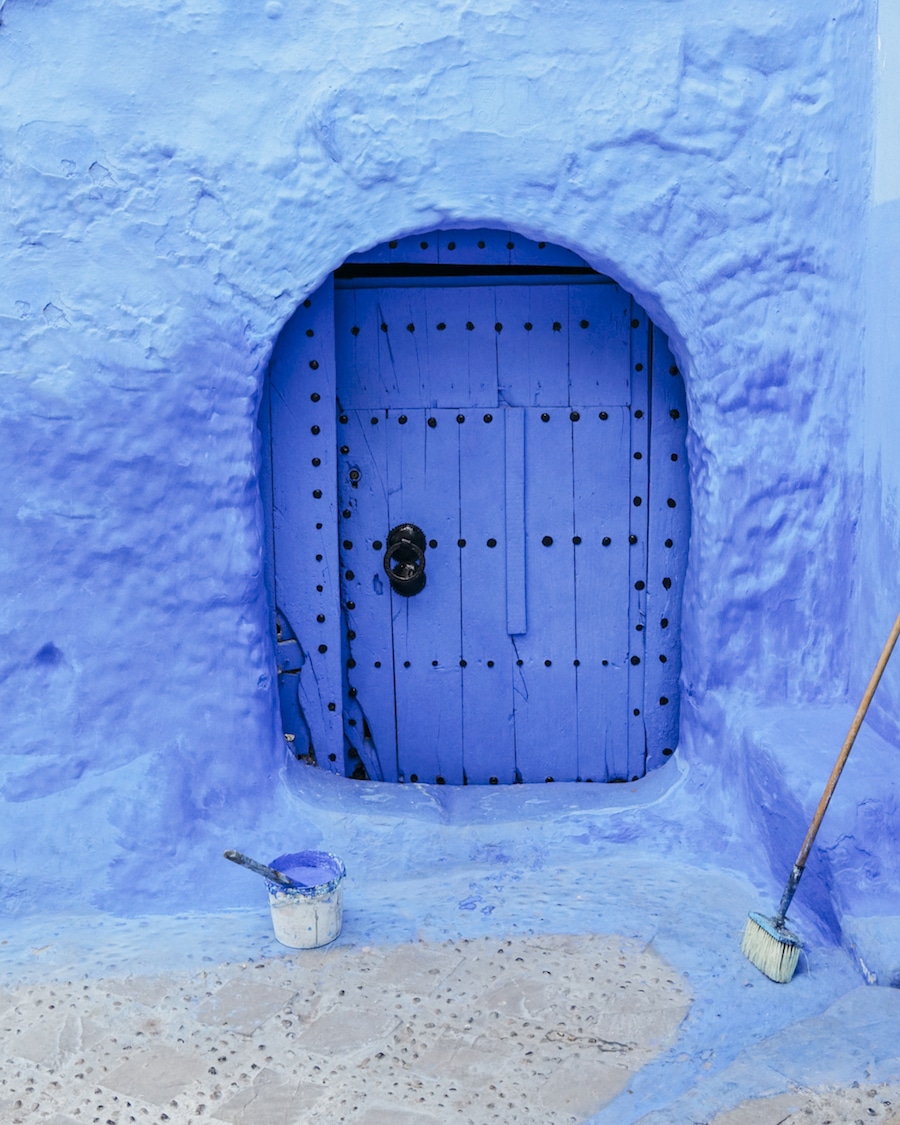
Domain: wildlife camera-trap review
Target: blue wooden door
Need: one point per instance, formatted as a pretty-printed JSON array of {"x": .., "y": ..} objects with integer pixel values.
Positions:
[{"x": 533, "y": 427}]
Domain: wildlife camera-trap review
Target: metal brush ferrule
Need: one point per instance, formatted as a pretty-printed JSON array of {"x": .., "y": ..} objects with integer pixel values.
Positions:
[{"x": 792, "y": 882}]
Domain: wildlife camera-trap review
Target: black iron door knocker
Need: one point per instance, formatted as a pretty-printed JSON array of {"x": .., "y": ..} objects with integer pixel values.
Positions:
[{"x": 404, "y": 559}]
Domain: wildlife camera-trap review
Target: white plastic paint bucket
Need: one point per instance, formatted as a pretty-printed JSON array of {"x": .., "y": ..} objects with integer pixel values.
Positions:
[{"x": 310, "y": 915}]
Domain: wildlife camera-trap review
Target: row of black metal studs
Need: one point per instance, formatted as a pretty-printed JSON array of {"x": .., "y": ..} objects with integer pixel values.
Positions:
[
  {"x": 452, "y": 245},
  {"x": 351, "y": 663},
  {"x": 674, "y": 414},
  {"x": 432, "y": 543},
  {"x": 639, "y": 440},
  {"x": 414, "y": 777},
  {"x": 316, "y": 462},
  {"x": 574, "y": 416},
  {"x": 470, "y": 327},
  {"x": 547, "y": 541}
]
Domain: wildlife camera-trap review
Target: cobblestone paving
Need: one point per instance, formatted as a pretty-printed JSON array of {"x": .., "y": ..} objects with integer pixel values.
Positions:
[
  {"x": 854, "y": 1105},
  {"x": 540, "y": 1029}
]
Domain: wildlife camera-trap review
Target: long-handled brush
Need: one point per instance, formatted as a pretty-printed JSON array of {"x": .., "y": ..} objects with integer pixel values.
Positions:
[{"x": 772, "y": 948}]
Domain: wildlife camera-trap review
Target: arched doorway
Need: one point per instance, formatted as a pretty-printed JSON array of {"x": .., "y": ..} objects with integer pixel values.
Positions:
[{"x": 480, "y": 518}]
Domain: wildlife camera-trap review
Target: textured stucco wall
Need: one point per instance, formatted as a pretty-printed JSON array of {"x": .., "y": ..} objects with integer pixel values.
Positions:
[
  {"x": 877, "y": 588},
  {"x": 175, "y": 177}
]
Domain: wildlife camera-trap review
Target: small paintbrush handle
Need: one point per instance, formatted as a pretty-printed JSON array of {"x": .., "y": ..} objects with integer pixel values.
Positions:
[{"x": 260, "y": 869}]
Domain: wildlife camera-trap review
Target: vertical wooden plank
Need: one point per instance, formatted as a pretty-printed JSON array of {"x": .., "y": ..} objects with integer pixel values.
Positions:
[
  {"x": 459, "y": 358},
  {"x": 635, "y": 763},
  {"x": 357, "y": 345},
  {"x": 449, "y": 342},
  {"x": 289, "y": 657},
  {"x": 668, "y": 534},
  {"x": 442, "y": 362},
  {"x": 533, "y": 345},
  {"x": 264, "y": 426},
  {"x": 403, "y": 311},
  {"x": 488, "y": 730},
  {"x": 392, "y": 345},
  {"x": 400, "y": 315},
  {"x": 544, "y": 681},
  {"x": 514, "y": 492},
  {"x": 602, "y": 475},
  {"x": 367, "y": 604},
  {"x": 307, "y": 574},
  {"x": 289, "y": 660},
  {"x": 599, "y": 345},
  {"x": 423, "y": 488}
]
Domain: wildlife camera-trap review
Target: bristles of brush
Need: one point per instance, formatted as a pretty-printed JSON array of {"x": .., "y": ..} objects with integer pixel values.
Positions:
[{"x": 773, "y": 951}]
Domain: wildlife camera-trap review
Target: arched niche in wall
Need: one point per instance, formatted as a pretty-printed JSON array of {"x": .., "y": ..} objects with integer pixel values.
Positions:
[{"x": 479, "y": 518}]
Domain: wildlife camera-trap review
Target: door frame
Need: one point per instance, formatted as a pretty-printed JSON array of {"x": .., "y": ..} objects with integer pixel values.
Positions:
[{"x": 298, "y": 419}]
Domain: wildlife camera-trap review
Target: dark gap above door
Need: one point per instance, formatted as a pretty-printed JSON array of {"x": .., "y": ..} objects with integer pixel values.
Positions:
[{"x": 415, "y": 269}]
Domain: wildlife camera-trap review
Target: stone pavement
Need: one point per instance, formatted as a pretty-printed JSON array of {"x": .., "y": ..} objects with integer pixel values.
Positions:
[
  {"x": 529, "y": 1029},
  {"x": 855, "y": 1105},
  {"x": 542, "y": 1029}
]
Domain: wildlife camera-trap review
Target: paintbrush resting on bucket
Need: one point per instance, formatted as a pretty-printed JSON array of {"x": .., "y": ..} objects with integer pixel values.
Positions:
[
  {"x": 772, "y": 948},
  {"x": 267, "y": 872}
]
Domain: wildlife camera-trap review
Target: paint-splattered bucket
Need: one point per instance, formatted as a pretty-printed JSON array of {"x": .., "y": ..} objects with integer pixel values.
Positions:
[{"x": 310, "y": 915}]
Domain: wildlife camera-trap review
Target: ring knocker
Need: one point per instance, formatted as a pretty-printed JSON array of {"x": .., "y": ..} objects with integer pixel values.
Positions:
[{"x": 404, "y": 559}]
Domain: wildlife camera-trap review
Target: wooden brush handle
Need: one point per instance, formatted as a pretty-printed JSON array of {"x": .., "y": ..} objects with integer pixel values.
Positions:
[
  {"x": 848, "y": 744},
  {"x": 267, "y": 872}
]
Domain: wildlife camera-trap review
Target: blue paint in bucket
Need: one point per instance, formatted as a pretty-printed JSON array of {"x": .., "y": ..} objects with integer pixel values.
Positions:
[{"x": 311, "y": 914}]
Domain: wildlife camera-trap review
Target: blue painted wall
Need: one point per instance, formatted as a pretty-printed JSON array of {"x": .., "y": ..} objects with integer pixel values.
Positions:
[
  {"x": 176, "y": 178},
  {"x": 877, "y": 585}
]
